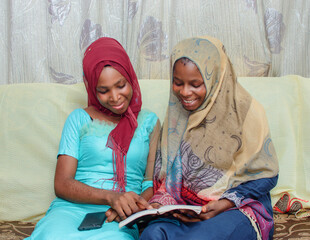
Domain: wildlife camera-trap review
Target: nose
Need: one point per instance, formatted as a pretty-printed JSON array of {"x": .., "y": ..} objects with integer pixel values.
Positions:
[
  {"x": 114, "y": 96},
  {"x": 185, "y": 91}
]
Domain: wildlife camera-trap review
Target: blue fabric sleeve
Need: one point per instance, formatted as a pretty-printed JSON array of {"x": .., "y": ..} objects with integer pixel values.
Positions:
[
  {"x": 255, "y": 189},
  {"x": 70, "y": 138},
  {"x": 146, "y": 185},
  {"x": 148, "y": 119}
]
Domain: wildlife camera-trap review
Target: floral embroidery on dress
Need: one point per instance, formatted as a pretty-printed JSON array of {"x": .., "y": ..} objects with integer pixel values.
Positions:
[{"x": 232, "y": 196}]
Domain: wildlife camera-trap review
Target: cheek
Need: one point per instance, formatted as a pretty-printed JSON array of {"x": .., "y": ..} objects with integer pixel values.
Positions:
[
  {"x": 202, "y": 93},
  {"x": 128, "y": 92},
  {"x": 175, "y": 89},
  {"x": 102, "y": 98}
]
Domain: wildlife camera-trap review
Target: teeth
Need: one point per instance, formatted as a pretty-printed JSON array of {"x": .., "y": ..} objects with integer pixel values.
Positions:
[{"x": 188, "y": 101}]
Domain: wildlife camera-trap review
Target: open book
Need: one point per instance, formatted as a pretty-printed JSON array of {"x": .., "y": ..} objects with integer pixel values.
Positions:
[{"x": 149, "y": 214}]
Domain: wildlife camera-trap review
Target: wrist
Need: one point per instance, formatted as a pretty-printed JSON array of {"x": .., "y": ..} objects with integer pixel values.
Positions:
[
  {"x": 227, "y": 203},
  {"x": 108, "y": 197}
]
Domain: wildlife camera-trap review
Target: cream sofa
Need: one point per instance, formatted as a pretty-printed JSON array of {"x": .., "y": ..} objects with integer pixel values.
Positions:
[{"x": 32, "y": 116}]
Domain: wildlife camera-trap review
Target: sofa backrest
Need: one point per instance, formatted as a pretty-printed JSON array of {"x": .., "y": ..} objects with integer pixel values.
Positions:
[{"x": 32, "y": 117}]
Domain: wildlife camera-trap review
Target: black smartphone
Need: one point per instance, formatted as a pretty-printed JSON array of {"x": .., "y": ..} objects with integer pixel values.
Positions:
[{"x": 92, "y": 221}]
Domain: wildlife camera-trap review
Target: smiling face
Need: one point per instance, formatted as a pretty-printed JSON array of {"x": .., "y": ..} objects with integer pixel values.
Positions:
[
  {"x": 113, "y": 90},
  {"x": 188, "y": 84}
]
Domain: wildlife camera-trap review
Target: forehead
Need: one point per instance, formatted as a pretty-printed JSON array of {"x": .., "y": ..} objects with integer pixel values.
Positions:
[
  {"x": 109, "y": 76},
  {"x": 202, "y": 52},
  {"x": 185, "y": 66}
]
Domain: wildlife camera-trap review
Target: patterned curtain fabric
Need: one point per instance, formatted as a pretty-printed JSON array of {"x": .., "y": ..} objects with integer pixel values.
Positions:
[{"x": 44, "y": 40}]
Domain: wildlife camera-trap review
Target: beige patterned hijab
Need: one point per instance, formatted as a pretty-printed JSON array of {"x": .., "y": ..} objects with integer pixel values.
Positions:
[{"x": 223, "y": 143}]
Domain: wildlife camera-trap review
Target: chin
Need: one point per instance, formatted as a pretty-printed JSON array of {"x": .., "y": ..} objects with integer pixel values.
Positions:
[
  {"x": 120, "y": 112},
  {"x": 189, "y": 108}
]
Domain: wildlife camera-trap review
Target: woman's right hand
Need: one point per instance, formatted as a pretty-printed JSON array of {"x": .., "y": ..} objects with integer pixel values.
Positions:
[
  {"x": 156, "y": 205},
  {"x": 125, "y": 204}
]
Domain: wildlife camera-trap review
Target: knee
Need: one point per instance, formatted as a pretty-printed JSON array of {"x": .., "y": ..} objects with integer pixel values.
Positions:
[{"x": 153, "y": 232}]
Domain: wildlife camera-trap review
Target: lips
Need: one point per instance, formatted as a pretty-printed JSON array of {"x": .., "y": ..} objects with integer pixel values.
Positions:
[
  {"x": 118, "y": 107},
  {"x": 188, "y": 102}
]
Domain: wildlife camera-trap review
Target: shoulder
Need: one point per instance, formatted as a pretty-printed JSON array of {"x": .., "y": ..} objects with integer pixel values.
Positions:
[
  {"x": 78, "y": 117},
  {"x": 147, "y": 119},
  {"x": 147, "y": 115},
  {"x": 79, "y": 112}
]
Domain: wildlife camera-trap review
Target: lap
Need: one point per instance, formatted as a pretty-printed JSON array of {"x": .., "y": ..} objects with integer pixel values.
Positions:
[
  {"x": 62, "y": 223},
  {"x": 228, "y": 225}
]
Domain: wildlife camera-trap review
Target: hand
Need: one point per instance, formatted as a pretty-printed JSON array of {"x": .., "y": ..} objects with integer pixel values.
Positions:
[
  {"x": 214, "y": 208},
  {"x": 125, "y": 204},
  {"x": 187, "y": 216},
  {"x": 156, "y": 205},
  {"x": 208, "y": 211},
  {"x": 112, "y": 215}
]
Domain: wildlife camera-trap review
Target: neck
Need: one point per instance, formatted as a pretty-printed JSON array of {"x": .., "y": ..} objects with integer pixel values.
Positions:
[{"x": 96, "y": 114}]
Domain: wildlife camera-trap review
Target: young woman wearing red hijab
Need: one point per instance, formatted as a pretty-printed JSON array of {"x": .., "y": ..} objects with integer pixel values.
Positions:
[{"x": 106, "y": 156}]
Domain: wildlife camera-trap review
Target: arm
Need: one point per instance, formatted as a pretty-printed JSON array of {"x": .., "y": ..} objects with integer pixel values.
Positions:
[
  {"x": 251, "y": 189},
  {"x": 148, "y": 192},
  {"x": 68, "y": 188},
  {"x": 232, "y": 198}
]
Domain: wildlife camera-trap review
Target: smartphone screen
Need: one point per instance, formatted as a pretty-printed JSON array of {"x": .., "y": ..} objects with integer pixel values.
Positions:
[{"x": 92, "y": 221}]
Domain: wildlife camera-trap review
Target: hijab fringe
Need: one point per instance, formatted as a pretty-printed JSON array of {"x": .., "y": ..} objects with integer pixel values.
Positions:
[{"x": 119, "y": 165}]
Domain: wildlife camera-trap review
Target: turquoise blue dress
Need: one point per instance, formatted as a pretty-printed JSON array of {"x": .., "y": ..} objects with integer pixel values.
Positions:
[{"x": 85, "y": 139}]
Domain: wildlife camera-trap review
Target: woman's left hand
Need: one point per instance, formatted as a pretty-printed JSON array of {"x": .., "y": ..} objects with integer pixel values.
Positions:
[
  {"x": 112, "y": 215},
  {"x": 208, "y": 211}
]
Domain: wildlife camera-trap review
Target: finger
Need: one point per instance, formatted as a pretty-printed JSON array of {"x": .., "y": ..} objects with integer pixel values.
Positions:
[
  {"x": 132, "y": 200},
  {"x": 189, "y": 213},
  {"x": 117, "y": 219},
  {"x": 185, "y": 218},
  {"x": 208, "y": 215},
  {"x": 155, "y": 205},
  {"x": 112, "y": 216},
  {"x": 130, "y": 206},
  {"x": 108, "y": 213},
  {"x": 126, "y": 205},
  {"x": 126, "y": 211},
  {"x": 143, "y": 204},
  {"x": 120, "y": 212},
  {"x": 204, "y": 209},
  {"x": 208, "y": 207},
  {"x": 142, "y": 207}
]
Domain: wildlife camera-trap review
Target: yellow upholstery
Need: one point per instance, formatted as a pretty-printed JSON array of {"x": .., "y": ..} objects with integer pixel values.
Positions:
[
  {"x": 32, "y": 116},
  {"x": 286, "y": 101}
]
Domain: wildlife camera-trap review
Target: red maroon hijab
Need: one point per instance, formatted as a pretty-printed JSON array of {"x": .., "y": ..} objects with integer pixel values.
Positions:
[{"x": 107, "y": 51}]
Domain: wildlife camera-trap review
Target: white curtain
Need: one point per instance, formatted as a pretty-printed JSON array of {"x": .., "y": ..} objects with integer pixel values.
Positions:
[{"x": 44, "y": 40}]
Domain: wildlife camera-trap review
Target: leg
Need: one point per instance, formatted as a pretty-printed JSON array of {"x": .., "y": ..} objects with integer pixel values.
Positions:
[
  {"x": 230, "y": 225},
  {"x": 62, "y": 223}
]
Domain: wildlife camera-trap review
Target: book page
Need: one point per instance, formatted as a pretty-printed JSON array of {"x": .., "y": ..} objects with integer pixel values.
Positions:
[
  {"x": 147, "y": 214},
  {"x": 138, "y": 215},
  {"x": 169, "y": 208}
]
